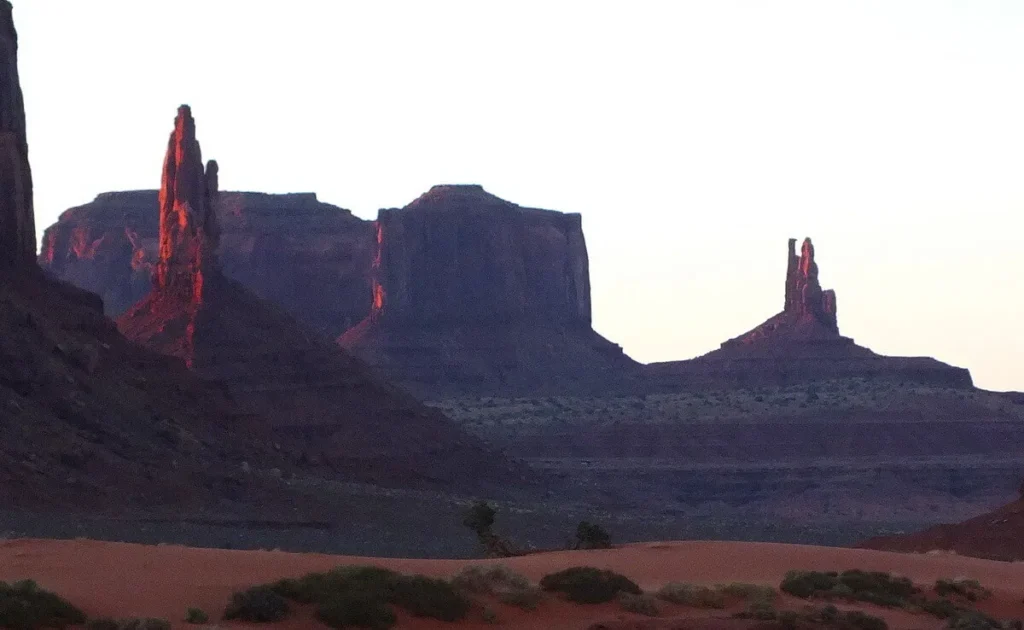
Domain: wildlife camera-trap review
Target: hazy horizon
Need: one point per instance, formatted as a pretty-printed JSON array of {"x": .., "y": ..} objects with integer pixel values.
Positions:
[{"x": 694, "y": 138}]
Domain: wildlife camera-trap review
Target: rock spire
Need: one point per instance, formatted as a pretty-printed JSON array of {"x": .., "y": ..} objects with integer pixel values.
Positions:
[
  {"x": 804, "y": 295},
  {"x": 189, "y": 233},
  {"x": 17, "y": 221}
]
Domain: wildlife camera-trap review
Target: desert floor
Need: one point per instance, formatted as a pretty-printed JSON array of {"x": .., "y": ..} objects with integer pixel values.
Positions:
[{"x": 122, "y": 580}]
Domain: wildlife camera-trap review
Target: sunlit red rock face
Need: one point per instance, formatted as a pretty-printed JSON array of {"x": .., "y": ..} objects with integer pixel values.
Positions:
[
  {"x": 314, "y": 395},
  {"x": 476, "y": 293},
  {"x": 802, "y": 343},
  {"x": 17, "y": 222},
  {"x": 310, "y": 257}
]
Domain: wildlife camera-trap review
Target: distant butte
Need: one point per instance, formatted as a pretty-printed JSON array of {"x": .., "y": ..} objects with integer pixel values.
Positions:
[
  {"x": 475, "y": 293},
  {"x": 801, "y": 344},
  {"x": 314, "y": 396}
]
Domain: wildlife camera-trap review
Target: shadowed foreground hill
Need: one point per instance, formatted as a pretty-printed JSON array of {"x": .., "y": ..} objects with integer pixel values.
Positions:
[{"x": 997, "y": 535}]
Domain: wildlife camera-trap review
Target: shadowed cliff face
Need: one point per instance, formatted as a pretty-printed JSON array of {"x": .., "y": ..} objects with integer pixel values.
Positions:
[
  {"x": 459, "y": 255},
  {"x": 17, "y": 221},
  {"x": 472, "y": 293}
]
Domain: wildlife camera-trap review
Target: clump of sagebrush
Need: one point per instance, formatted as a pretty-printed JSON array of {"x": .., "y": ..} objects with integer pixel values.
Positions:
[
  {"x": 25, "y": 606},
  {"x": 642, "y": 604},
  {"x": 500, "y": 581},
  {"x": 873, "y": 587},
  {"x": 827, "y": 617},
  {"x": 748, "y": 592},
  {"x": 259, "y": 604},
  {"x": 587, "y": 585},
  {"x": 375, "y": 589},
  {"x": 973, "y": 620},
  {"x": 345, "y": 610},
  {"x": 968, "y": 589},
  {"x": 196, "y": 616},
  {"x": 693, "y": 595}
]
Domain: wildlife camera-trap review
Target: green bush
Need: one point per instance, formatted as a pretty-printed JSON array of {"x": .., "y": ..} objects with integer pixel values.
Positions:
[
  {"x": 489, "y": 580},
  {"x": 259, "y": 604},
  {"x": 857, "y": 620},
  {"x": 196, "y": 616},
  {"x": 941, "y": 608},
  {"x": 354, "y": 609},
  {"x": 973, "y": 620},
  {"x": 692, "y": 595},
  {"x": 866, "y": 586},
  {"x": 25, "y": 606},
  {"x": 103, "y": 623},
  {"x": 428, "y": 597},
  {"x": 587, "y": 585},
  {"x": 971, "y": 590},
  {"x": 144, "y": 623},
  {"x": 528, "y": 599},
  {"x": 640, "y": 604},
  {"x": 320, "y": 587},
  {"x": 748, "y": 592},
  {"x": 761, "y": 611}
]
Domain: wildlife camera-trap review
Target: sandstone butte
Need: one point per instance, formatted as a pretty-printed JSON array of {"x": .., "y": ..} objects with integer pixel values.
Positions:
[
  {"x": 470, "y": 290},
  {"x": 315, "y": 396},
  {"x": 801, "y": 344},
  {"x": 88, "y": 420}
]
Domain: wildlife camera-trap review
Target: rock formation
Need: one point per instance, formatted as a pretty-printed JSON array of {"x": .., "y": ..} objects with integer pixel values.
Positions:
[
  {"x": 471, "y": 292},
  {"x": 309, "y": 257},
  {"x": 802, "y": 343},
  {"x": 89, "y": 421},
  {"x": 315, "y": 396},
  {"x": 17, "y": 221}
]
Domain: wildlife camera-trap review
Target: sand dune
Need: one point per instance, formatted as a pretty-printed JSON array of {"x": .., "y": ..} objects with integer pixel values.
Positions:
[{"x": 118, "y": 579}]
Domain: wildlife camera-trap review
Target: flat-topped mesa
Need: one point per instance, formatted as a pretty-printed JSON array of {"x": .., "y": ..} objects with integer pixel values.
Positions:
[
  {"x": 459, "y": 254},
  {"x": 17, "y": 220},
  {"x": 804, "y": 295},
  {"x": 189, "y": 233}
]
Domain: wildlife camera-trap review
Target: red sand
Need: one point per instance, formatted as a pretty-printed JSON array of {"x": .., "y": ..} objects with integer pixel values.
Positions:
[{"x": 120, "y": 580}]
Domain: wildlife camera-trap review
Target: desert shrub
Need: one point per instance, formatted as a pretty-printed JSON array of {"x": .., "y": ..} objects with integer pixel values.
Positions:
[
  {"x": 103, "y": 623},
  {"x": 428, "y": 597},
  {"x": 479, "y": 517},
  {"x": 941, "y": 608},
  {"x": 692, "y": 595},
  {"x": 808, "y": 583},
  {"x": 867, "y": 586},
  {"x": 587, "y": 585},
  {"x": 144, "y": 623},
  {"x": 488, "y": 615},
  {"x": 857, "y": 620},
  {"x": 592, "y": 536},
  {"x": 196, "y": 616},
  {"x": 321, "y": 587},
  {"x": 489, "y": 580},
  {"x": 748, "y": 592},
  {"x": 528, "y": 599},
  {"x": 760, "y": 611},
  {"x": 25, "y": 606},
  {"x": 354, "y": 609},
  {"x": 259, "y": 604},
  {"x": 642, "y": 604},
  {"x": 971, "y": 590},
  {"x": 973, "y": 620}
]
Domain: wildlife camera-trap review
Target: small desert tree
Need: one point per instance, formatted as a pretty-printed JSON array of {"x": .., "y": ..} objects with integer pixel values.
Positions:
[
  {"x": 592, "y": 536},
  {"x": 480, "y": 518}
]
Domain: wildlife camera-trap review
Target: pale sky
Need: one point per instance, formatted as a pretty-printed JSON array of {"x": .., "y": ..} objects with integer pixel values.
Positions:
[{"x": 694, "y": 138}]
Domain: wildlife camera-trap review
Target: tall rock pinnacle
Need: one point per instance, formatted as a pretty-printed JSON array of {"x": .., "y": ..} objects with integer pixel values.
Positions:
[
  {"x": 188, "y": 223},
  {"x": 17, "y": 221},
  {"x": 804, "y": 296}
]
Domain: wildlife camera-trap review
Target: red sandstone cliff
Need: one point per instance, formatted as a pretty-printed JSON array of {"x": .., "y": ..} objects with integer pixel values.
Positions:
[
  {"x": 315, "y": 396},
  {"x": 472, "y": 292}
]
